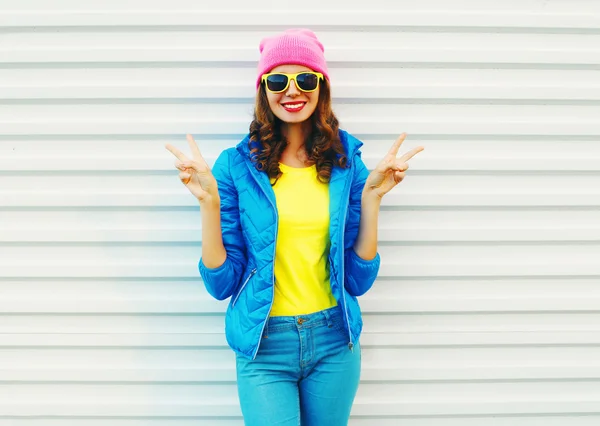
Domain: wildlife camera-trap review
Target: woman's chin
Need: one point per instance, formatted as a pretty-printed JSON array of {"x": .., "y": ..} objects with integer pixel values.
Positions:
[{"x": 293, "y": 117}]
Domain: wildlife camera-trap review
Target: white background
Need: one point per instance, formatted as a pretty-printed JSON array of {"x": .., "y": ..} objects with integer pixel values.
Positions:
[{"x": 487, "y": 308}]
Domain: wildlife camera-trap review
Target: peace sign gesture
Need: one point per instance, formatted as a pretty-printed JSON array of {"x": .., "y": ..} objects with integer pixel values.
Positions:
[
  {"x": 391, "y": 170},
  {"x": 195, "y": 173}
]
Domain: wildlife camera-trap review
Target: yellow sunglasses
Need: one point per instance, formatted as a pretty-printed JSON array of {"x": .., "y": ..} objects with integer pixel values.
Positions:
[{"x": 278, "y": 82}]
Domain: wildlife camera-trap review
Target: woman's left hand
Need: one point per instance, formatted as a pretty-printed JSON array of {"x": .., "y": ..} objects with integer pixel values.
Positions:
[{"x": 390, "y": 171}]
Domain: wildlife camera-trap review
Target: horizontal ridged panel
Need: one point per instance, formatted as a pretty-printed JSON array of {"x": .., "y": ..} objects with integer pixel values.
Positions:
[
  {"x": 523, "y": 420},
  {"x": 522, "y": 15},
  {"x": 193, "y": 47},
  {"x": 420, "y": 260},
  {"x": 180, "y": 84},
  {"x": 183, "y": 226}
]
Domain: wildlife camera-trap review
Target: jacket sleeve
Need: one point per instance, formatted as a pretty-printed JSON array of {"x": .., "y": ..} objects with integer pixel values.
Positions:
[
  {"x": 222, "y": 281},
  {"x": 359, "y": 274}
]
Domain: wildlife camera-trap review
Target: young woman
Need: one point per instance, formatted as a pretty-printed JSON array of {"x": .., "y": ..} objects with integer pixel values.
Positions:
[{"x": 289, "y": 232}]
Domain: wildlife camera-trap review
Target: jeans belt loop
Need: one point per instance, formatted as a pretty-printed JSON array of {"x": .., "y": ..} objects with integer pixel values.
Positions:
[{"x": 327, "y": 315}]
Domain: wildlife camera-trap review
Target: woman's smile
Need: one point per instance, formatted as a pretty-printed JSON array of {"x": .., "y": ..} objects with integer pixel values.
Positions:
[{"x": 294, "y": 106}]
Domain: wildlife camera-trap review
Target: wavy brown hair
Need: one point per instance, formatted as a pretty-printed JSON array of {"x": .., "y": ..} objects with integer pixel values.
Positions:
[{"x": 323, "y": 146}]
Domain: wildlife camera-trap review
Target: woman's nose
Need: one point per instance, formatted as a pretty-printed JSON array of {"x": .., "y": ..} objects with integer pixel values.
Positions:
[{"x": 292, "y": 89}]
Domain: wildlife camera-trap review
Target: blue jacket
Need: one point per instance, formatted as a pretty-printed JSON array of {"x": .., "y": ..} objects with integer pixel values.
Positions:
[{"x": 249, "y": 225}]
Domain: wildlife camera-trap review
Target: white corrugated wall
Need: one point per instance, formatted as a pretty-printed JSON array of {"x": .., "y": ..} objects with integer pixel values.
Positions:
[{"x": 487, "y": 308}]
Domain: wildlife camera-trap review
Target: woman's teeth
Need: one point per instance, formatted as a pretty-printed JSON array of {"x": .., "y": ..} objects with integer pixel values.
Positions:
[{"x": 294, "y": 106}]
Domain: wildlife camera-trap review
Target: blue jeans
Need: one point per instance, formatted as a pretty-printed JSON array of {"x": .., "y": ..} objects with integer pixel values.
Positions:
[{"x": 304, "y": 373}]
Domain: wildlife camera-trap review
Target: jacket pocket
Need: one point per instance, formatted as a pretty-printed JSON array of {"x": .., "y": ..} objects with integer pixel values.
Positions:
[{"x": 243, "y": 286}]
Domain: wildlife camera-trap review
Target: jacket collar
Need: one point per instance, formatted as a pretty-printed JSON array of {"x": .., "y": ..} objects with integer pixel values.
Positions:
[
  {"x": 350, "y": 143},
  {"x": 338, "y": 175}
]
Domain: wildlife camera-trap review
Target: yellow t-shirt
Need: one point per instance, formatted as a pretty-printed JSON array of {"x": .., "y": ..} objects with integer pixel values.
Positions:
[{"x": 301, "y": 254}]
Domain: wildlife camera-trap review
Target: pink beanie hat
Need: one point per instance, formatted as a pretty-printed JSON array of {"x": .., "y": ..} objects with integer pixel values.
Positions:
[{"x": 296, "y": 46}]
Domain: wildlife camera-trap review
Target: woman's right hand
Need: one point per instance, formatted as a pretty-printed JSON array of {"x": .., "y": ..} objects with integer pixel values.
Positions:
[{"x": 195, "y": 174}]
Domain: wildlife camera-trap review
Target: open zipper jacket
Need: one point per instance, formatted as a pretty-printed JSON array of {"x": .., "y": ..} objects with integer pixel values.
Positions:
[{"x": 249, "y": 225}]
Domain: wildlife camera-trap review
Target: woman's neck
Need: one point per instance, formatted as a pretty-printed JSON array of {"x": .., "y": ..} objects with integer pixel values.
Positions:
[{"x": 295, "y": 134}]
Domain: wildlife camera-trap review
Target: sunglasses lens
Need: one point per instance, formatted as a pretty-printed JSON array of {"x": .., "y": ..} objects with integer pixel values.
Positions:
[
  {"x": 307, "y": 81},
  {"x": 277, "y": 82}
]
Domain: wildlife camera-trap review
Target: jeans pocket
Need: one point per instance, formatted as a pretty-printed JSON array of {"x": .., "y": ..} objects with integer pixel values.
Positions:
[{"x": 337, "y": 325}]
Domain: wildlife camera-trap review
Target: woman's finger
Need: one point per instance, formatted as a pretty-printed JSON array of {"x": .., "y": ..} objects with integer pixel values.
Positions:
[
  {"x": 398, "y": 176},
  {"x": 401, "y": 166},
  {"x": 396, "y": 145},
  {"x": 184, "y": 166},
  {"x": 385, "y": 166},
  {"x": 196, "y": 152},
  {"x": 189, "y": 165},
  {"x": 177, "y": 153},
  {"x": 410, "y": 154},
  {"x": 185, "y": 177}
]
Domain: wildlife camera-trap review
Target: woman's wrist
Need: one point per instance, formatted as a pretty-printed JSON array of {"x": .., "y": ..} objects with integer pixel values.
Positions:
[
  {"x": 210, "y": 203},
  {"x": 370, "y": 197}
]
